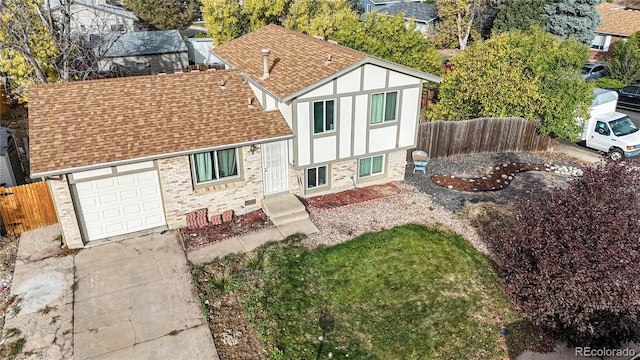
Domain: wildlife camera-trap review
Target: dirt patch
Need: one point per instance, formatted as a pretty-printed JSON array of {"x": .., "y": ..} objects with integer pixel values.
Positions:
[
  {"x": 8, "y": 252},
  {"x": 353, "y": 196},
  {"x": 498, "y": 178},
  {"x": 194, "y": 238}
]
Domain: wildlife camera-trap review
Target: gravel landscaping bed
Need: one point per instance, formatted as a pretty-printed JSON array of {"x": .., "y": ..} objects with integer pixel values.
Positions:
[{"x": 423, "y": 202}]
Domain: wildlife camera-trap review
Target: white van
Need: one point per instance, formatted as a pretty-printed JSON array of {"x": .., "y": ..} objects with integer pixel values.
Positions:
[{"x": 609, "y": 131}]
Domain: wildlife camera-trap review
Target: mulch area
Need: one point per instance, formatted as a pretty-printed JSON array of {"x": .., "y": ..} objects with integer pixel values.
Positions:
[
  {"x": 498, "y": 178},
  {"x": 353, "y": 196},
  {"x": 194, "y": 238}
]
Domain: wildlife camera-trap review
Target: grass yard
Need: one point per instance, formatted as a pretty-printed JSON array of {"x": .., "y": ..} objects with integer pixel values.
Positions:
[{"x": 406, "y": 293}]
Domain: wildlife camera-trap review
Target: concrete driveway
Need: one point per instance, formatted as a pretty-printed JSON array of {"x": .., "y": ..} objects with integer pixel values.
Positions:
[{"x": 134, "y": 300}]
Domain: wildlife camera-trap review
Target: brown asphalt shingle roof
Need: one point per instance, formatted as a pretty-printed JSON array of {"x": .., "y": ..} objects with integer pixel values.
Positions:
[
  {"x": 617, "y": 20},
  {"x": 296, "y": 60},
  {"x": 85, "y": 123}
]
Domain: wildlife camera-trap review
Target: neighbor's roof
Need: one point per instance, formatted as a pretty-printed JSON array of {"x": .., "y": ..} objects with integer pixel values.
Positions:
[
  {"x": 417, "y": 10},
  {"x": 379, "y": 2},
  {"x": 77, "y": 125},
  {"x": 140, "y": 43},
  {"x": 618, "y": 19},
  {"x": 113, "y": 9},
  {"x": 297, "y": 61}
]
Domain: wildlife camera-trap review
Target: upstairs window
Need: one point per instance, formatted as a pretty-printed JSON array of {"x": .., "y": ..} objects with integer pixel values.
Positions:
[
  {"x": 384, "y": 107},
  {"x": 323, "y": 116}
]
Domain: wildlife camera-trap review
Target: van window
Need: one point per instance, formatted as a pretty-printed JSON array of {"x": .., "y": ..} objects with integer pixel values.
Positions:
[{"x": 602, "y": 128}]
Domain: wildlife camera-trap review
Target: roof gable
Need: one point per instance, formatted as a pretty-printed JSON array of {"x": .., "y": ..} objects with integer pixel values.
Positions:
[
  {"x": 618, "y": 19},
  {"x": 82, "y": 124},
  {"x": 297, "y": 62}
]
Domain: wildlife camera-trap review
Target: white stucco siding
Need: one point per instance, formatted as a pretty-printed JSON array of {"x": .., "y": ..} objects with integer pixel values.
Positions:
[
  {"x": 286, "y": 111},
  {"x": 383, "y": 138},
  {"x": 374, "y": 77},
  {"x": 271, "y": 103},
  {"x": 349, "y": 82},
  {"x": 360, "y": 125},
  {"x": 324, "y": 90},
  {"x": 258, "y": 94},
  {"x": 324, "y": 149},
  {"x": 409, "y": 117},
  {"x": 397, "y": 79},
  {"x": 346, "y": 109},
  {"x": 304, "y": 142}
]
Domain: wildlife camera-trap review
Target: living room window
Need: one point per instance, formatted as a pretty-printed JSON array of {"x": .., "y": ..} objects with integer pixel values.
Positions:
[
  {"x": 215, "y": 165},
  {"x": 317, "y": 177},
  {"x": 371, "y": 166},
  {"x": 323, "y": 116},
  {"x": 383, "y": 107}
]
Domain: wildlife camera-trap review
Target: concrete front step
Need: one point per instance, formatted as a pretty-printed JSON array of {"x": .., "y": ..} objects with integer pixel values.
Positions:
[{"x": 284, "y": 209}]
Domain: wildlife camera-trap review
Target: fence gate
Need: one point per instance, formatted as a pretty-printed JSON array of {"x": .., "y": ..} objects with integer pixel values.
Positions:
[{"x": 26, "y": 207}]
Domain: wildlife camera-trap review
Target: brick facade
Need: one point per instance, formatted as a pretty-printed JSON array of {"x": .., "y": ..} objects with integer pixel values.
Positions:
[
  {"x": 66, "y": 212},
  {"x": 180, "y": 198},
  {"x": 344, "y": 173}
]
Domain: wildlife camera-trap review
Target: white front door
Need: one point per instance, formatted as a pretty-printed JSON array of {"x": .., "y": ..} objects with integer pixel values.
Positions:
[
  {"x": 275, "y": 169},
  {"x": 120, "y": 204}
]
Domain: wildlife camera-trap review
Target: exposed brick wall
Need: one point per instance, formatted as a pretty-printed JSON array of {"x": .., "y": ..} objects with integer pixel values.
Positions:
[
  {"x": 66, "y": 213},
  {"x": 180, "y": 198},
  {"x": 341, "y": 173},
  {"x": 397, "y": 163}
]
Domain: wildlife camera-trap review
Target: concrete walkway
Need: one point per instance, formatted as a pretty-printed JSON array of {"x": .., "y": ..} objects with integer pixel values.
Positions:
[
  {"x": 134, "y": 300},
  {"x": 250, "y": 241},
  {"x": 577, "y": 151},
  {"x": 42, "y": 315}
]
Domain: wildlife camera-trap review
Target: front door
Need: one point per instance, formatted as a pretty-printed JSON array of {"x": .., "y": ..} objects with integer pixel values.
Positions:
[{"x": 275, "y": 169}]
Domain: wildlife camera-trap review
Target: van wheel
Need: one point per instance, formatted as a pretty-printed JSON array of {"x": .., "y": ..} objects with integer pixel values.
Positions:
[{"x": 616, "y": 154}]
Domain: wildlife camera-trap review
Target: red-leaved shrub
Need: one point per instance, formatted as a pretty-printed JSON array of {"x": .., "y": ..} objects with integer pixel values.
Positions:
[{"x": 571, "y": 261}]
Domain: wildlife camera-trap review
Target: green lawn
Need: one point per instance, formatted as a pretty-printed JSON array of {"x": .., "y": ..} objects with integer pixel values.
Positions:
[{"x": 406, "y": 293}]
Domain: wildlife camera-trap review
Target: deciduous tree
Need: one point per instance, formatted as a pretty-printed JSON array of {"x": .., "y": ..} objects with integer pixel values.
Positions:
[
  {"x": 392, "y": 39},
  {"x": 456, "y": 21},
  {"x": 625, "y": 65},
  {"x": 532, "y": 75},
  {"x": 163, "y": 14},
  {"x": 38, "y": 46}
]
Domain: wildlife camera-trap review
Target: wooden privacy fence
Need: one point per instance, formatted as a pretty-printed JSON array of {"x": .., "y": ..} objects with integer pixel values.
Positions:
[
  {"x": 26, "y": 207},
  {"x": 446, "y": 138}
]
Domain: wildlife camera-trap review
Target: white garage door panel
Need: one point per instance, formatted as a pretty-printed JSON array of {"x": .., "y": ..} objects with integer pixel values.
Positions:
[{"x": 121, "y": 204}]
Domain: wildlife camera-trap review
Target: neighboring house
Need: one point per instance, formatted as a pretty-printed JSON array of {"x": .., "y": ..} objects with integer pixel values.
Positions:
[
  {"x": 10, "y": 168},
  {"x": 141, "y": 52},
  {"x": 619, "y": 22},
  {"x": 200, "y": 51},
  {"x": 97, "y": 16},
  {"x": 424, "y": 15},
  {"x": 378, "y": 5},
  {"x": 136, "y": 153}
]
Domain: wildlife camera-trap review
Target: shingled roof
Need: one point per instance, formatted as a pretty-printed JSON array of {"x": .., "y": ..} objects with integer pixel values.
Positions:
[
  {"x": 296, "y": 60},
  {"x": 618, "y": 19},
  {"x": 78, "y": 125},
  {"x": 416, "y": 10}
]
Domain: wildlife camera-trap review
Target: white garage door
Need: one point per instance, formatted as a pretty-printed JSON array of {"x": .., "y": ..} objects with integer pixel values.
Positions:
[{"x": 120, "y": 204}]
